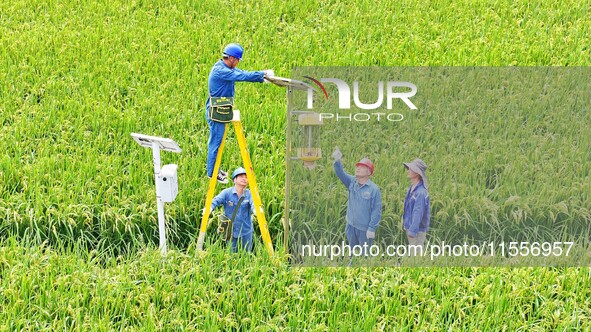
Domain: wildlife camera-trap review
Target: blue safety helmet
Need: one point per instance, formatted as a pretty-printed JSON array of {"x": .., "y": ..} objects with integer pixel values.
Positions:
[
  {"x": 234, "y": 50},
  {"x": 237, "y": 172}
]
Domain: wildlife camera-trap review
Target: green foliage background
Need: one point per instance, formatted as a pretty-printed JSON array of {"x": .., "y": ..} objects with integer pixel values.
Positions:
[
  {"x": 507, "y": 151},
  {"x": 76, "y": 78}
]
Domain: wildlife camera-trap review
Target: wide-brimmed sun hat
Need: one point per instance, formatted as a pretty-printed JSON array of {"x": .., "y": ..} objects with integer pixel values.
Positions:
[{"x": 418, "y": 166}]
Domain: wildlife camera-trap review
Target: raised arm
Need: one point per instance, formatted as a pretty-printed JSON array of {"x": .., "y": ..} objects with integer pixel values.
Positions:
[
  {"x": 340, "y": 172},
  {"x": 239, "y": 75}
]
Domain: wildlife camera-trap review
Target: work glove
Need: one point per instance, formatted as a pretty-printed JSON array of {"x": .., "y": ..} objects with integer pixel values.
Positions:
[
  {"x": 268, "y": 73},
  {"x": 370, "y": 235},
  {"x": 337, "y": 155}
]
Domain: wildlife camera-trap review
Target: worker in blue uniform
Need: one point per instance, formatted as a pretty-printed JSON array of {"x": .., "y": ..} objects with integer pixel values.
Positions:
[{"x": 221, "y": 81}]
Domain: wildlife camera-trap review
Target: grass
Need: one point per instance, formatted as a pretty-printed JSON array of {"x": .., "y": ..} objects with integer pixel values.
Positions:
[
  {"x": 45, "y": 289},
  {"x": 505, "y": 148},
  {"x": 76, "y": 78}
]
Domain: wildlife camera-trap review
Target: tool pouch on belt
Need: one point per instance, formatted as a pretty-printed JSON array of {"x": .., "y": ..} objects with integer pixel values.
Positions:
[
  {"x": 220, "y": 109},
  {"x": 225, "y": 227},
  {"x": 225, "y": 224}
]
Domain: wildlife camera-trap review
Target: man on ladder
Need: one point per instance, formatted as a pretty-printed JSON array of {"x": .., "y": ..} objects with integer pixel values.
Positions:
[
  {"x": 219, "y": 112},
  {"x": 221, "y": 81}
]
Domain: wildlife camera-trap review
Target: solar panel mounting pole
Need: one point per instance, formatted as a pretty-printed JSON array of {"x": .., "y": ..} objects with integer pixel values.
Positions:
[
  {"x": 165, "y": 178},
  {"x": 159, "y": 202}
]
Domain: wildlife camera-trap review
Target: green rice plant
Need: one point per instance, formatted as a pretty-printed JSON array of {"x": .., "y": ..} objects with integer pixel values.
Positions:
[
  {"x": 77, "y": 206},
  {"x": 77, "y": 289}
]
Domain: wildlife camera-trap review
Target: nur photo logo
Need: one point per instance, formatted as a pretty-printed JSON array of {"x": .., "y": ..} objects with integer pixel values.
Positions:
[
  {"x": 348, "y": 96},
  {"x": 344, "y": 93}
]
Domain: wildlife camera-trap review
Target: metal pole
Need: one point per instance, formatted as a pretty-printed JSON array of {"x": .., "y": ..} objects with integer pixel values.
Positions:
[
  {"x": 159, "y": 202},
  {"x": 287, "y": 178}
]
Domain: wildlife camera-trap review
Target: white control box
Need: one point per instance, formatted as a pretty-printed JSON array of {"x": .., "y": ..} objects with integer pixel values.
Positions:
[{"x": 167, "y": 183}]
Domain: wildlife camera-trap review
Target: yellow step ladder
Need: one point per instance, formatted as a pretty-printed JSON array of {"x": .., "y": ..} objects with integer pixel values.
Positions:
[{"x": 258, "y": 206}]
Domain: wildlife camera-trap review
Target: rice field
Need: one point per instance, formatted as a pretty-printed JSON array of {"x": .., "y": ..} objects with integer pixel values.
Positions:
[
  {"x": 506, "y": 148},
  {"x": 45, "y": 289},
  {"x": 78, "y": 221}
]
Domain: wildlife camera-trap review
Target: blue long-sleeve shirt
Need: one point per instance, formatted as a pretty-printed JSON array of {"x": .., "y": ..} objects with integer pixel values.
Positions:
[
  {"x": 222, "y": 78},
  {"x": 229, "y": 199},
  {"x": 364, "y": 208},
  {"x": 417, "y": 210}
]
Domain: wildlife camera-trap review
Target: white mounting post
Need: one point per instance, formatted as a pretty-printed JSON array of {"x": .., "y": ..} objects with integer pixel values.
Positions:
[
  {"x": 165, "y": 177},
  {"x": 159, "y": 202}
]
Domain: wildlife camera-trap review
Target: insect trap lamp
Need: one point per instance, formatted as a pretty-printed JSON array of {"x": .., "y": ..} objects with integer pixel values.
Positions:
[
  {"x": 165, "y": 177},
  {"x": 307, "y": 140},
  {"x": 308, "y": 149}
]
